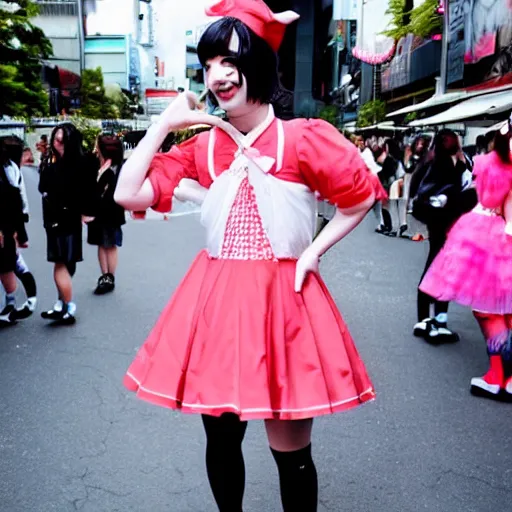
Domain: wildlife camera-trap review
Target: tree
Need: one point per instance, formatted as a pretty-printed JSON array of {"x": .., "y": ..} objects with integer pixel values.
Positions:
[
  {"x": 123, "y": 106},
  {"x": 372, "y": 112},
  {"x": 422, "y": 21},
  {"x": 95, "y": 103},
  {"x": 22, "y": 47}
]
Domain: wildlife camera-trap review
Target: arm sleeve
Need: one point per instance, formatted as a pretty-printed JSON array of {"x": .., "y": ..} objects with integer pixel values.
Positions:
[
  {"x": 24, "y": 197},
  {"x": 332, "y": 166},
  {"x": 167, "y": 170},
  {"x": 492, "y": 183}
]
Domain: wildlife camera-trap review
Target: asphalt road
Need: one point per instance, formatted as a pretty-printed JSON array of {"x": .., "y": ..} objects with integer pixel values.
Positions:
[{"x": 71, "y": 437}]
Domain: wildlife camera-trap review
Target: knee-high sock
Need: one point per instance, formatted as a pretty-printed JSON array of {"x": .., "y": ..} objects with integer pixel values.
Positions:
[
  {"x": 25, "y": 276},
  {"x": 496, "y": 332},
  {"x": 224, "y": 460},
  {"x": 298, "y": 480}
]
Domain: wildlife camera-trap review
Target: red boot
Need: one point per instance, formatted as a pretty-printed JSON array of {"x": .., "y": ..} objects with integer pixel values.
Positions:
[{"x": 492, "y": 383}]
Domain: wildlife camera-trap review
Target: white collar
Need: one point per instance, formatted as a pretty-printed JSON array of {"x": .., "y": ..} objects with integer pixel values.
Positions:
[{"x": 246, "y": 141}]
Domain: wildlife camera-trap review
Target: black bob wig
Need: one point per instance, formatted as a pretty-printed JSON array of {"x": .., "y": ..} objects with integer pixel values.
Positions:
[{"x": 254, "y": 59}]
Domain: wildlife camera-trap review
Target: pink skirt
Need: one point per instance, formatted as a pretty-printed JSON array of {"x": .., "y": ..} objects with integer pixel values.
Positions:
[
  {"x": 474, "y": 268},
  {"x": 235, "y": 337}
]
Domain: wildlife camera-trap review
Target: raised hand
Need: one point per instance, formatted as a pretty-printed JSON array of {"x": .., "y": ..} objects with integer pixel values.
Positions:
[{"x": 182, "y": 113}]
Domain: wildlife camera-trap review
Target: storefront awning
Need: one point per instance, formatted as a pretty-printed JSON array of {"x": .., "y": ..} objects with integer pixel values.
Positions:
[
  {"x": 434, "y": 101},
  {"x": 486, "y": 104},
  {"x": 449, "y": 97},
  {"x": 387, "y": 126}
]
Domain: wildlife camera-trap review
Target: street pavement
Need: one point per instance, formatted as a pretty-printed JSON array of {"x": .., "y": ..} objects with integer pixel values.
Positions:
[{"x": 72, "y": 438}]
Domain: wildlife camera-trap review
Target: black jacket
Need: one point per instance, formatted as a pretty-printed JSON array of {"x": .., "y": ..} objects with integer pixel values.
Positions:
[
  {"x": 431, "y": 177},
  {"x": 12, "y": 219},
  {"x": 67, "y": 193},
  {"x": 106, "y": 211}
]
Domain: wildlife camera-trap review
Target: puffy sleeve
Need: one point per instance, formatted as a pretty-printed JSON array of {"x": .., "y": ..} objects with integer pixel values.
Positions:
[
  {"x": 493, "y": 180},
  {"x": 332, "y": 166},
  {"x": 167, "y": 170}
]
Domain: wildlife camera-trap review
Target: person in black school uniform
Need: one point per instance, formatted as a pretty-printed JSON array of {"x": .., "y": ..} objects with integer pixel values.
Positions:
[
  {"x": 11, "y": 223},
  {"x": 65, "y": 189},
  {"x": 105, "y": 230},
  {"x": 14, "y": 149}
]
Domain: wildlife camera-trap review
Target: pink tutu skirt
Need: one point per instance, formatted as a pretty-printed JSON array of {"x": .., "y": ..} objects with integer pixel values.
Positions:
[
  {"x": 235, "y": 337},
  {"x": 474, "y": 268}
]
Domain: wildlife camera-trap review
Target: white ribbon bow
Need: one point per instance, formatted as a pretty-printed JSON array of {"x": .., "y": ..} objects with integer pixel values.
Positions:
[{"x": 244, "y": 156}]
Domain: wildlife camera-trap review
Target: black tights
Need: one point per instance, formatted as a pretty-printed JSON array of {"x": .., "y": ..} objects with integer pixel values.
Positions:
[
  {"x": 226, "y": 469},
  {"x": 225, "y": 461},
  {"x": 436, "y": 240}
]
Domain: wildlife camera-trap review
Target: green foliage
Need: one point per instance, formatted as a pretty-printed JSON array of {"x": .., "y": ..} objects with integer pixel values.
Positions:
[
  {"x": 95, "y": 104},
  {"x": 90, "y": 134},
  {"x": 424, "y": 20},
  {"x": 183, "y": 135},
  {"x": 329, "y": 113},
  {"x": 397, "y": 29},
  {"x": 122, "y": 105},
  {"x": 371, "y": 113},
  {"x": 410, "y": 117},
  {"x": 22, "y": 46}
]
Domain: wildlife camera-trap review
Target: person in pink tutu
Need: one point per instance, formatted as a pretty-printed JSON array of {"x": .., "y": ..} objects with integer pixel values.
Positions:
[
  {"x": 252, "y": 331},
  {"x": 475, "y": 266}
]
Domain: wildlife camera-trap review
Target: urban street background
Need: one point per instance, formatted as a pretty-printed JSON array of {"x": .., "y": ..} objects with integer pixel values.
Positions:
[{"x": 72, "y": 438}]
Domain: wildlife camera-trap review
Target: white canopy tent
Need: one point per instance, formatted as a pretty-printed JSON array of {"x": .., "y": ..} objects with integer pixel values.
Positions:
[
  {"x": 384, "y": 126},
  {"x": 449, "y": 97},
  {"x": 487, "y": 104}
]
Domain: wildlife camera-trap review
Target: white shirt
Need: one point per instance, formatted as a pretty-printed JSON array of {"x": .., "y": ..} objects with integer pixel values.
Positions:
[{"x": 15, "y": 177}]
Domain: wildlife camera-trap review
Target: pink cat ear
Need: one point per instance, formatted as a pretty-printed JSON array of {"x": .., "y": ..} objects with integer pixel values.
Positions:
[{"x": 286, "y": 17}]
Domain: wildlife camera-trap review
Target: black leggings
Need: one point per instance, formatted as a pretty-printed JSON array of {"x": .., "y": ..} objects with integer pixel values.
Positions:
[
  {"x": 226, "y": 469},
  {"x": 436, "y": 240},
  {"x": 225, "y": 461}
]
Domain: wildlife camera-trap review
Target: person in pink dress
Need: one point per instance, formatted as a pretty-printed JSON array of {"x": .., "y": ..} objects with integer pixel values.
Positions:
[
  {"x": 251, "y": 333},
  {"x": 474, "y": 268}
]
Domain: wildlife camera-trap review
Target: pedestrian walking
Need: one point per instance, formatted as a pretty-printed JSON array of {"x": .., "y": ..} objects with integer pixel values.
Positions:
[
  {"x": 14, "y": 149},
  {"x": 475, "y": 266},
  {"x": 444, "y": 193},
  {"x": 66, "y": 193},
  {"x": 105, "y": 230},
  {"x": 11, "y": 223},
  {"x": 251, "y": 332}
]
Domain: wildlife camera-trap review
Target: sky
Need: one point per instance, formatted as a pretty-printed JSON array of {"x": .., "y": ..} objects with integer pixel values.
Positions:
[{"x": 116, "y": 16}]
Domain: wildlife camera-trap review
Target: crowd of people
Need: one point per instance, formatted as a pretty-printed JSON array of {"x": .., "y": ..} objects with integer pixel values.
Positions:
[
  {"x": 77, "y": 188},
  {"x": 437, "y": 182}
]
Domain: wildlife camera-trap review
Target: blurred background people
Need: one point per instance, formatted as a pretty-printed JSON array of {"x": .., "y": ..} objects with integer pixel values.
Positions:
[
  {"x": 13, "y": 147},
  {"x": 63, "y": 185},
  {"x": 442, "y": 192},
  {"x": 11, "y": 223},
  {"x": 105, "y": 230}
]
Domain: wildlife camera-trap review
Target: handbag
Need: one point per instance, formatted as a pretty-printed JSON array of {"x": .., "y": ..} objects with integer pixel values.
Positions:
[{"x": 426, "y": 207}]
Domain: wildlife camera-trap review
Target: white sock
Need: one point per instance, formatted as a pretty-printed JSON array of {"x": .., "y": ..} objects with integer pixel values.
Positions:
[
  {"x": 71, "y": 308},
  {"x": 58, "y": 306},
  {"x": 31, "y": 303},
  {"x": 442, "y": 318}
]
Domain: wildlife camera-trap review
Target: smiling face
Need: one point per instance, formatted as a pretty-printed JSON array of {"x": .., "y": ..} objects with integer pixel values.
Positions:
[{"x": 226, "y": 83}]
